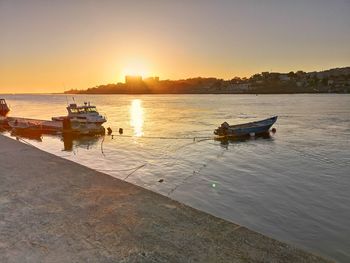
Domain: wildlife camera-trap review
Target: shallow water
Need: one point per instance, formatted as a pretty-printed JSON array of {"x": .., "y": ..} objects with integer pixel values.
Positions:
[{"x": 293, "y": 186}]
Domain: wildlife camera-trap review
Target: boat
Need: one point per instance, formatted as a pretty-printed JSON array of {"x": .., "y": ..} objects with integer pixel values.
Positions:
[
  {"x": 22, "y": 124},
  {"x": 84, "y": 119},
  {"x": 25, "y": 124},
  {"x": 4, "y": 109},
  {"x": 245, "y": 129}
]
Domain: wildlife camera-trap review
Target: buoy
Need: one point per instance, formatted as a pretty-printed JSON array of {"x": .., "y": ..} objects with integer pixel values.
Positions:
[
  {"x": 252, "y": 134},
  {"x": 273, "y": 130},
  {"x": 120, "y": 130},
  {"x": 109, "y": 131}
]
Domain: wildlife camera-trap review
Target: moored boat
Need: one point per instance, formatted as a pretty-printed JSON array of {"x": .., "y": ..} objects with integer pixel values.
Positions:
[
  {"x": 251, "y": 128},
  {"x": 84, "y": 119},
  {"x": 22, "y": 124},
  {"x": 25, "y": 124},
  {"x": 4, "y": 109}
]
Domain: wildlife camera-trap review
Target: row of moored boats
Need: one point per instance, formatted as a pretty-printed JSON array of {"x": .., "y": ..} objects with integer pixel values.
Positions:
[
  {"x": 81, "y": 119},
  {"x": 85, "y": 119}
]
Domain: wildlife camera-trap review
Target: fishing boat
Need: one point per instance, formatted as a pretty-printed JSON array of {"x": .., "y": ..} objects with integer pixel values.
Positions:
[
  {"x": 31, "y": 125},
  {"x": 84, "y": 119},
  {"x": 245, "y": 129},
  {"x": 21, "y": 124},
  {"x": 4, "y": 109}
]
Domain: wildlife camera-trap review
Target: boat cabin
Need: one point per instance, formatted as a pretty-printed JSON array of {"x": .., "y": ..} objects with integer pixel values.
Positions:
[
  {"x": 86, "y": 112},
  {"x": 73, "y": 109}
]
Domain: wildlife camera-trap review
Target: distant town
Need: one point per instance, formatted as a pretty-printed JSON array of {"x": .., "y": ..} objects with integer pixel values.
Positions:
[{"x": 335, "y": 80}]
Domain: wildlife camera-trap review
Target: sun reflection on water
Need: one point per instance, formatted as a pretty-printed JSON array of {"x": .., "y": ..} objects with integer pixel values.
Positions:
[{"x": 136, "y": 117}]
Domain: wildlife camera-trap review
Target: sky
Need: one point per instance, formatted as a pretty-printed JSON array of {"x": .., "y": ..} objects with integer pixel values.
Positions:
[{"x": 52, "y": 46}]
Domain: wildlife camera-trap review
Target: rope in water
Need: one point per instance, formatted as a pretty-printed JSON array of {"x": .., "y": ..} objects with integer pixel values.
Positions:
[
  {"x": 134, "y": 169},
  {"x": 137, "y": 168},
  {"x": 197, "y": 172},
  {"x": 195, "y": 138}
]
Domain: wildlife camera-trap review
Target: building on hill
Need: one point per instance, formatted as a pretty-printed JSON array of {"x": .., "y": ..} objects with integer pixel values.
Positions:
[
  {"x": 155, "y": 79},
  {"x": 133, "y": 80},
  {"x": 151, "y": 80}
]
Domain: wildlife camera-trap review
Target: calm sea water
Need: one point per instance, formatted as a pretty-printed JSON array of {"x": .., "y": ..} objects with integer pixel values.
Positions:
[{"x": 293, "y": 186}]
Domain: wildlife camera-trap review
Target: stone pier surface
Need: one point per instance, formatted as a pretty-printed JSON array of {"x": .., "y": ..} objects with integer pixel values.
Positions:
[{"x": 54, "y": 210}]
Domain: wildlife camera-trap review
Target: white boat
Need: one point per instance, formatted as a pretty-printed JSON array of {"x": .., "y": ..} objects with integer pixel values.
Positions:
[{"x": 84, "y": 119}]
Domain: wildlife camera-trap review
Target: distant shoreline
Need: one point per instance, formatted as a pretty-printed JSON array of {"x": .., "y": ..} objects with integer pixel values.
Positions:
[
  {"x": 335, "y": 80},
  {"x": 65, "y": 94},
  {"x": 286, "y": 93}
]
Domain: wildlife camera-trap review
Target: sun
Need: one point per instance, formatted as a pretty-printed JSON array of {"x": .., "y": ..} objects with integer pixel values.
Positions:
[{"x": 135, "y": 68}]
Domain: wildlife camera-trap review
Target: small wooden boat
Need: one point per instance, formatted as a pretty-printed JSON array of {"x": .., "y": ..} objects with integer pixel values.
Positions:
[
  {"x": 22, "y": 125},
  {"x": 25, "y": 124},
  {"x": 245, "y": 129}
]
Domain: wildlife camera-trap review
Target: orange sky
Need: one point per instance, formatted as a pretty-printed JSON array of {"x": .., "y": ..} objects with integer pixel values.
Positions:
[{"x": 51, "y": 46}]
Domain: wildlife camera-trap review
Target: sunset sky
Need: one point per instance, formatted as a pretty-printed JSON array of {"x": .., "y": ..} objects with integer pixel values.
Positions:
[{"x": 51, "y": 46}]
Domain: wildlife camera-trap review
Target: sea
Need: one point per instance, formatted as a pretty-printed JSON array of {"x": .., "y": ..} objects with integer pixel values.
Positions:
[{"x": 293, "y": 185}]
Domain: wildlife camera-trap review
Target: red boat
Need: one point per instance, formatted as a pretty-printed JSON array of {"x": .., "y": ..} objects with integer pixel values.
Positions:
[{"x": 4, "y": 109}]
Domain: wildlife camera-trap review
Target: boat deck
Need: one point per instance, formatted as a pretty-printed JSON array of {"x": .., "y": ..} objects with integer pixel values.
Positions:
[{"x": 44, "y": 125}]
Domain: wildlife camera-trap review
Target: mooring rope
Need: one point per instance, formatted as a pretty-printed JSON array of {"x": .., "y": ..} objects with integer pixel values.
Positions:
[
  {"x": 103, "y": 139},
  {"x": 167, "y": 137},
  {"x": 137, "y": 168},
  {"x": 120, "y": 170},
  {"x": 196, "y": 172},
  {"x": 194, "y": 140}
]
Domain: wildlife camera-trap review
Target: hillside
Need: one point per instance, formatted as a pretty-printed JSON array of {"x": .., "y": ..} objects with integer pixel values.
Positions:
[{"x": 336, "y": 80}]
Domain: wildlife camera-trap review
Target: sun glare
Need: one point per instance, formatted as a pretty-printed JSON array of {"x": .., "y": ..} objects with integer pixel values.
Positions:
[
  {"x": 136, "y": 69},
  {"x": 136, "y": 117}
]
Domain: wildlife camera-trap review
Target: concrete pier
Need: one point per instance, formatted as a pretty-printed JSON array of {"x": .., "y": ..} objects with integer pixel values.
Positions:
[{"x": 54, "y": 210}]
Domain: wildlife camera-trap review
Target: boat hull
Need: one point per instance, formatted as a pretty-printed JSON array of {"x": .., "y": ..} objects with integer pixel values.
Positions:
[
  {"x": 252, "y": 128},
  {"x": 3, "y": 112},
  {"x": 4, "y": 109},
  {"x": 86, "y": 128},
  {"x": 25, "y": 124}
]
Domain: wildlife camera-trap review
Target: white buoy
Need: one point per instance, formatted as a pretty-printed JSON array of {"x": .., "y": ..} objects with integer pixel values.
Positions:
[{"x": 252, "y": 134}]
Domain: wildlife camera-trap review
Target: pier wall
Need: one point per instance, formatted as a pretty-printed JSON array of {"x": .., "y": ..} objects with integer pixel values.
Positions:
[{"x": 54, "y": 210}]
